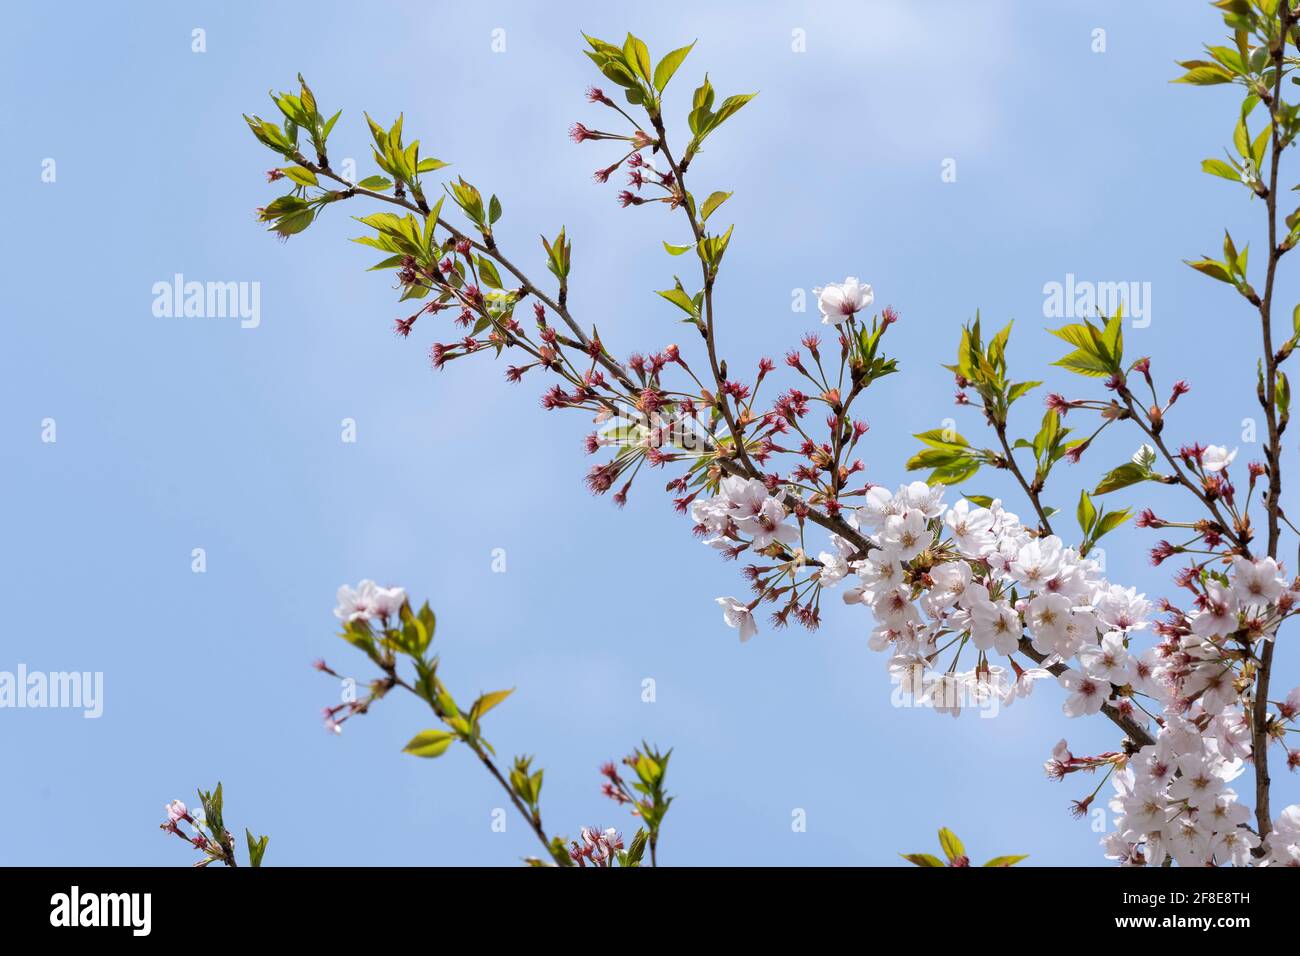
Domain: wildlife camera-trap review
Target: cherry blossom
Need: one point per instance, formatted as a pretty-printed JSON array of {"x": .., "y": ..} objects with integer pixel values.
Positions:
[
  {"x": 1215, "y": 458},
  {"x": 842, "y": 300},
  {"x": 357, "y": 604},
  {"x": 1087, "y": 693},
  {"x": 933, "y": 573},
  {"x": 738, "y": 615}
]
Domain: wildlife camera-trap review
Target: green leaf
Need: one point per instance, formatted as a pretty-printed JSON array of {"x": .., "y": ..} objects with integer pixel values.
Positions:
[
  {"x": 376, "y": 183},
  {"x": 429, "y": 743},
  {"x": 950, "y": 466},
  {"x": 952, "y": 847},
  {"x": 329, "y": 125},
  {"x": 1213, "y": 269},
  {"x": 1086, "y": 513},
  {"x": 1129, "y": 473},
  {"x": 922, "y": 859},
  {"x": 301, "y": 175},
  {"x": 1111, "y": 521},
  {"x": 1049, "y": 436},
  {"x": 712, "y": 248},
  {"x": 703, "y": 97},
  {"x": 1020, "y": 389},
  {"x": 730, "y": 106},
  {"x": 679, "y": 298},
  {"x": 1203, "y": 73},
  {"x": 415, "y": 634},
  {"x": 488, "y": 701},
  {"x": 427, "y": 618},
  {"x": 1230, "y": 58},
  {"x": 1113, "y": 338},
  {"x": 1098, "y": 351},
  {"x": 676, "y": 250},
  {"x": 713, "y": 202},
  {"x": 637, "y": 56},
  {"x": 294, "y": 223},
  {"x": 212, "y": 807},
  {"x": 636, "y": 849},
  {"x": 616, "y": 70},
  {"x": 1260, "y": 146},
  {"x": 1217, "y": 167},
  {"x": 558, "y": 256},
  {"x": 942, "y": 438},
  {"x": 256, "y": 848},
  {"x": 469, "y": 199},
  {"x": 948, "y": 453},
  {"x": 1007, "y": 860},
  {"x": 1241, "y": 139},
  {"x": 1084, "y": 363},
  {"x": 357, "y": 633},
  {"x": 488, "y": 273},
  {"x": 668, "y": 66}
]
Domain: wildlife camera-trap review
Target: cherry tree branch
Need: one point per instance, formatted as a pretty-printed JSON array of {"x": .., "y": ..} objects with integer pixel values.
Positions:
[
  {"x": 1259, "y": 714},
  {"x": 533, "y": 819}
]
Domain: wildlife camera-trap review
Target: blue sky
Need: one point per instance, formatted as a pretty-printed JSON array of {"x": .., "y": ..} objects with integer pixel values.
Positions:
[{"x": 175, "y": 434}]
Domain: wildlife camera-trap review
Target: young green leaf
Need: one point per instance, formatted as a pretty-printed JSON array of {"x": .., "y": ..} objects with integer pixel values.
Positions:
[
  {"x": 713, "y": 202},
  {"x": 637, "y": 56},
  {"x": 1110, "y": 521},
  {"x": 1129, "y": 473},
  {"x": 668, "y": 66},
  {"x": 679, "y": 298},
  {"x": 490, "y": 700},
  {"x": 1086, "y": 513},
  {"x": 952, "y": 847},
  {"x": 256, "y": 848},
  {"x": 429, "y": 743}
]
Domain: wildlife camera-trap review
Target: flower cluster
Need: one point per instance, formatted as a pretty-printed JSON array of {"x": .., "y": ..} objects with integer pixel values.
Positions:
[
  {"x": 368, "y": 602},
  {"x": 598, "y": 847},
  {"x": 178, "y": 813},
  {"x": 205, "y": 830},
  {"x": 974, "y": 579},
  {"x": 1172, "y": 799}
]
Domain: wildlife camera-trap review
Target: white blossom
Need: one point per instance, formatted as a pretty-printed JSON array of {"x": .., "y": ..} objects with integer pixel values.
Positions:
[
  {"x": 737, "y": 614},
  {"x": 834, "y": 568},
  {"x": 839, "y": 301},
  {"x": 1216, "y": 458},
  {"x": 1256, "y": 582},
  {"x": 1087, "y": 694},
  {"x": 359, "y": 604}
]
